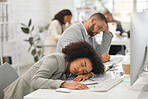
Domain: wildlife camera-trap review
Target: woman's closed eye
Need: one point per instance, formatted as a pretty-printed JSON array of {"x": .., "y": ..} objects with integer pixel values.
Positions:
[{"x": 82, "y": 64}]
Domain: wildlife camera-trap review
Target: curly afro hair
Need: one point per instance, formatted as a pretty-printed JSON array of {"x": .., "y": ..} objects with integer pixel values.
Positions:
[{"x": 83, "y": 49}]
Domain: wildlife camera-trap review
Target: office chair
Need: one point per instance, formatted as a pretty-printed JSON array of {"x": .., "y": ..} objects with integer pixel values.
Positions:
[
  {"x": 7, "y": 76},
  {"x": 42, "y": 38}
]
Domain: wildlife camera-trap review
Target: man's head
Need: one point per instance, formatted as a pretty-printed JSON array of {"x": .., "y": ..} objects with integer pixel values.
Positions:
[
  {"x": 108, "y": 16},
  {"x": 97, "y": 23}
]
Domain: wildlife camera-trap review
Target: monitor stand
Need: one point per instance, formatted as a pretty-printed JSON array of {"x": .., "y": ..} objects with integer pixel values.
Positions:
[
  {"x": 142, "y": 82},
  {"x": 145, "y": 87},
  {"x": 146, "y": 60}
]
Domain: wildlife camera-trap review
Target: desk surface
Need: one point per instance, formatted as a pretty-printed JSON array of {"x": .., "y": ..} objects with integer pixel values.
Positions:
[
  {"x": 116, "y": 40},
  {"x": 118, "y": 92},
  {"x": 121, "y": 91}
]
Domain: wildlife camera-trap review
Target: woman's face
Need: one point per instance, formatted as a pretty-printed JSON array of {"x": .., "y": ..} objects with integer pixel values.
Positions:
[
  {"x": 67, "y": 18},
  {"x": 80, "y": 66}
]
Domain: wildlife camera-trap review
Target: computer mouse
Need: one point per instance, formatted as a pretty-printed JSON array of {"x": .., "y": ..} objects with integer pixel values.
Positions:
[{"x": 63, "y": 90}]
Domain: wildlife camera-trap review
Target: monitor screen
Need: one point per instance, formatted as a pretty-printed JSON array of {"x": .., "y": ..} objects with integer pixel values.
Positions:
[
  {"x": 145, "y": 10},
  {"x": 139, "y": 41}
]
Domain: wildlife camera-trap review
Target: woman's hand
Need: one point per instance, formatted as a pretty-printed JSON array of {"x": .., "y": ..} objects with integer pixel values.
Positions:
[
  {"x": 76, "y": 86},
  {"x": 82, "y": 77}
]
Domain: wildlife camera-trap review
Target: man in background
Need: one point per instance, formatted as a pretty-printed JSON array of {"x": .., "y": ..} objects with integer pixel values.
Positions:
[
  {"x": 115, "y": 49},
  {"x": 110, "y": 19}
]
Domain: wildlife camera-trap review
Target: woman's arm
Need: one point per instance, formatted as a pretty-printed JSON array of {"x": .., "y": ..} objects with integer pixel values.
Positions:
[
  {"x": 76, "y": 86},
  {"x": 42, "y": 77},
  {"x": 55, "y": 28},
  {"x": 82, "y": 77}
]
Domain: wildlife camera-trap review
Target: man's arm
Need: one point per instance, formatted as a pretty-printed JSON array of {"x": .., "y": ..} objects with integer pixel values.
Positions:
[{"x": 104, "y": 47}]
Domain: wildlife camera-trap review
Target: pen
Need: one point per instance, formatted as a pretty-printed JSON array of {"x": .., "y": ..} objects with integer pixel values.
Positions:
[
  {"x": 91, "y": 79},
  {"x": 109, "y": 67}
]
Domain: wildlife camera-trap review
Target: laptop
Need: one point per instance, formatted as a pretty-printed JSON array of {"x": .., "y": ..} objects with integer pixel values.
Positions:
[{"x": 112, "y": 28}]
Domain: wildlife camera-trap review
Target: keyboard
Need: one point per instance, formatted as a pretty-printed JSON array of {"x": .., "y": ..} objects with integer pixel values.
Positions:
[{"x": 105, "y": 83}]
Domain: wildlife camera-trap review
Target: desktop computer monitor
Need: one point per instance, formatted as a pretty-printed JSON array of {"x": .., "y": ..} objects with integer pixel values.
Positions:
[
  {"x": 145, "y": 10},
  {"x": 139, "y": 42}
]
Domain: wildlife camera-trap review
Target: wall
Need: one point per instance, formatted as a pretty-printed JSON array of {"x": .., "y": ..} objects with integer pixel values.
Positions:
[
  {"x": 41, "y": 12},
  {"x": 56, "y": 5}
]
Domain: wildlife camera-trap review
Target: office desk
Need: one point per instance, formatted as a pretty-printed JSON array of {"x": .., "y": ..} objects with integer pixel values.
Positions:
[
  {"x": 116, "y": 40},
  {"x": 118, "y": 92},
  {"x": 121, "y": 91}
]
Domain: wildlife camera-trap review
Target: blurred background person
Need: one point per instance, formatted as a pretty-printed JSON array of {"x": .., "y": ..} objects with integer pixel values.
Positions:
[
  {"x": 56, "y": 28},
  {"x": 115, "y": 49},
  {"x": 110, "y": 19}
]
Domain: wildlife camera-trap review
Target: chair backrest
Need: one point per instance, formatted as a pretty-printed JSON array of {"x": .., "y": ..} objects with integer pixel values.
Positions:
[
  {"x": 43, "y": 36},
  {"x": 7, "y": 76}
]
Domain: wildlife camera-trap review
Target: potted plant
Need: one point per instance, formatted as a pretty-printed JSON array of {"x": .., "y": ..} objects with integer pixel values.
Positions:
[{"x": 35, "y": 47}]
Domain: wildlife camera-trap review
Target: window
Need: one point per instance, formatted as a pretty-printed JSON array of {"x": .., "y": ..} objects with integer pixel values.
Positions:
[
  {"x": 121, "y": 9},
  {"x": 83, "y": 9}
]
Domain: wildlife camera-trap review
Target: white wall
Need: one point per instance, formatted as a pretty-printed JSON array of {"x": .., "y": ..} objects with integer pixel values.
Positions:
[
  {"x": 56, "y": 5},
  {"x": 41, "y": 12},
  {"x": 22, "y": 11}
]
